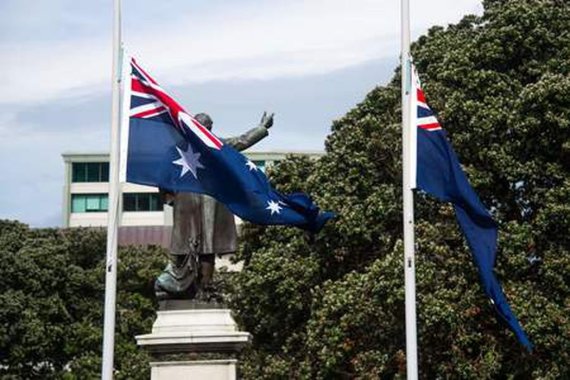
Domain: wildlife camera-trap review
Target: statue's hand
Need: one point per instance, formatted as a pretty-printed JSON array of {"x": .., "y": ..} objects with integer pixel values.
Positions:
[{"x": 266, "y": 120}]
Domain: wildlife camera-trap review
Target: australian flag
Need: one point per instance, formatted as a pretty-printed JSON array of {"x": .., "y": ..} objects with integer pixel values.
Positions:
[
  {"x": 439, "y": 173},
  {"x": 168, "y": 148}
]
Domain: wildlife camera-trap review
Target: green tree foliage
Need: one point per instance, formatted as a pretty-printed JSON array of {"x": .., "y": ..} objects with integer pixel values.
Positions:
[
  {"x": 334, "y": 307},
  {"x": 51, "y": 303}
]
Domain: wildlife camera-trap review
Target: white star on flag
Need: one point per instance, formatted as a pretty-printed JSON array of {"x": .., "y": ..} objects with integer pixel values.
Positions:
[
  {"x": 251, "y": 165},
  {"x": 189, "y": 161},
  {"x": 273, "y": 207}
]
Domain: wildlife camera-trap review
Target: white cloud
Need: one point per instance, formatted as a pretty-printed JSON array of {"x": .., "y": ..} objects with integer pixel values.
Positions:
[
  {"x": 32, "y": 171},
  {"x": 262, "y": 40}
]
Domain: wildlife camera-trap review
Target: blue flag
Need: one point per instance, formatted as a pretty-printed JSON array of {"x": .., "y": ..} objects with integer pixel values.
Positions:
[
  {"x": 439, "y": 173},
  {"x": 169, "y": 148}
]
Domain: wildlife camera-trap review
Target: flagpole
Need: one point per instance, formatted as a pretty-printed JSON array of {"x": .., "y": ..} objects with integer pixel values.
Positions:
[
  {"x": 408, "y": 199},
  {"x": 113, "y": 209}
]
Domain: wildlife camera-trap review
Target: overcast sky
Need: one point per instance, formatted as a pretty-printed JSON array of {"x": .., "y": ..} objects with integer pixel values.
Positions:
[{"x": 308, "y": 61}]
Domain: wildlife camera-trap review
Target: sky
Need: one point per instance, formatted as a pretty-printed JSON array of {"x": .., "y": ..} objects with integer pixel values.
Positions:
[{"x": 309, "y": 61}]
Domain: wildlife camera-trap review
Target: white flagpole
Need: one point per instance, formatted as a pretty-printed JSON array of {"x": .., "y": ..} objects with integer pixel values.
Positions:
[
  {"x": 113, "y": 209},
  {"x": 408, "y": 197}
]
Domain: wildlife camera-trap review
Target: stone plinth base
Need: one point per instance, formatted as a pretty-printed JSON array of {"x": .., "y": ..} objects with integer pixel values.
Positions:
[
  {"x": 193, "y": 341},
  {"x": 194, "y": 369}
]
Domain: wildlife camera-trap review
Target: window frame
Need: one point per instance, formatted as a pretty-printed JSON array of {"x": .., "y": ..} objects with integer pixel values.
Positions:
[
  {"x": 89, "y": 172},
  {"x": 102, "y": 200},
  {"x": 134, "y": 202}
]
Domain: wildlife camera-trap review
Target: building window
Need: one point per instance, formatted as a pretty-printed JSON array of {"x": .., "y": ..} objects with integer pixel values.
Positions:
[
  {"x": 89, "y": 202},
  {"x": 142, "y": 202},
  {"x": 90, "y": 172},
  {"x": 260, "y": 164}
]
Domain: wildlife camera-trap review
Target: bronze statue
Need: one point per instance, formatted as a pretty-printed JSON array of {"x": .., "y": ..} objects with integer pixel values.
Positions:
[{"x": 202, "y": 228}]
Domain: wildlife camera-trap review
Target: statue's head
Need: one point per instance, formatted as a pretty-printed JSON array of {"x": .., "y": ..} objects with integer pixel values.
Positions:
[{"x": 205, "y": 120}]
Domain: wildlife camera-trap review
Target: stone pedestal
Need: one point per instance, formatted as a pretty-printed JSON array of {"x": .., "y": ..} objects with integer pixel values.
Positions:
[{"x": 193, "y": 341}]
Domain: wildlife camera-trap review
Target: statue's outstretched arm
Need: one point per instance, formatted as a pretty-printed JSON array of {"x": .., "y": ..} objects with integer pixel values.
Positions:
[{"x": 252, "y": 136}]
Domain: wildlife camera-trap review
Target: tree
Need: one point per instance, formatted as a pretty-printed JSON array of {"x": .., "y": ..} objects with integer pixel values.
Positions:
[
  {"x": 333, "y": 308},
  {"x": 52, "y": 297}
]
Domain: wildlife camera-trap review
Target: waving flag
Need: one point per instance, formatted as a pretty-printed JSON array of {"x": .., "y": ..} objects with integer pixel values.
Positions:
[
  {"x": 439, "y": 173},
  {"x": 168, "y": 148}
]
